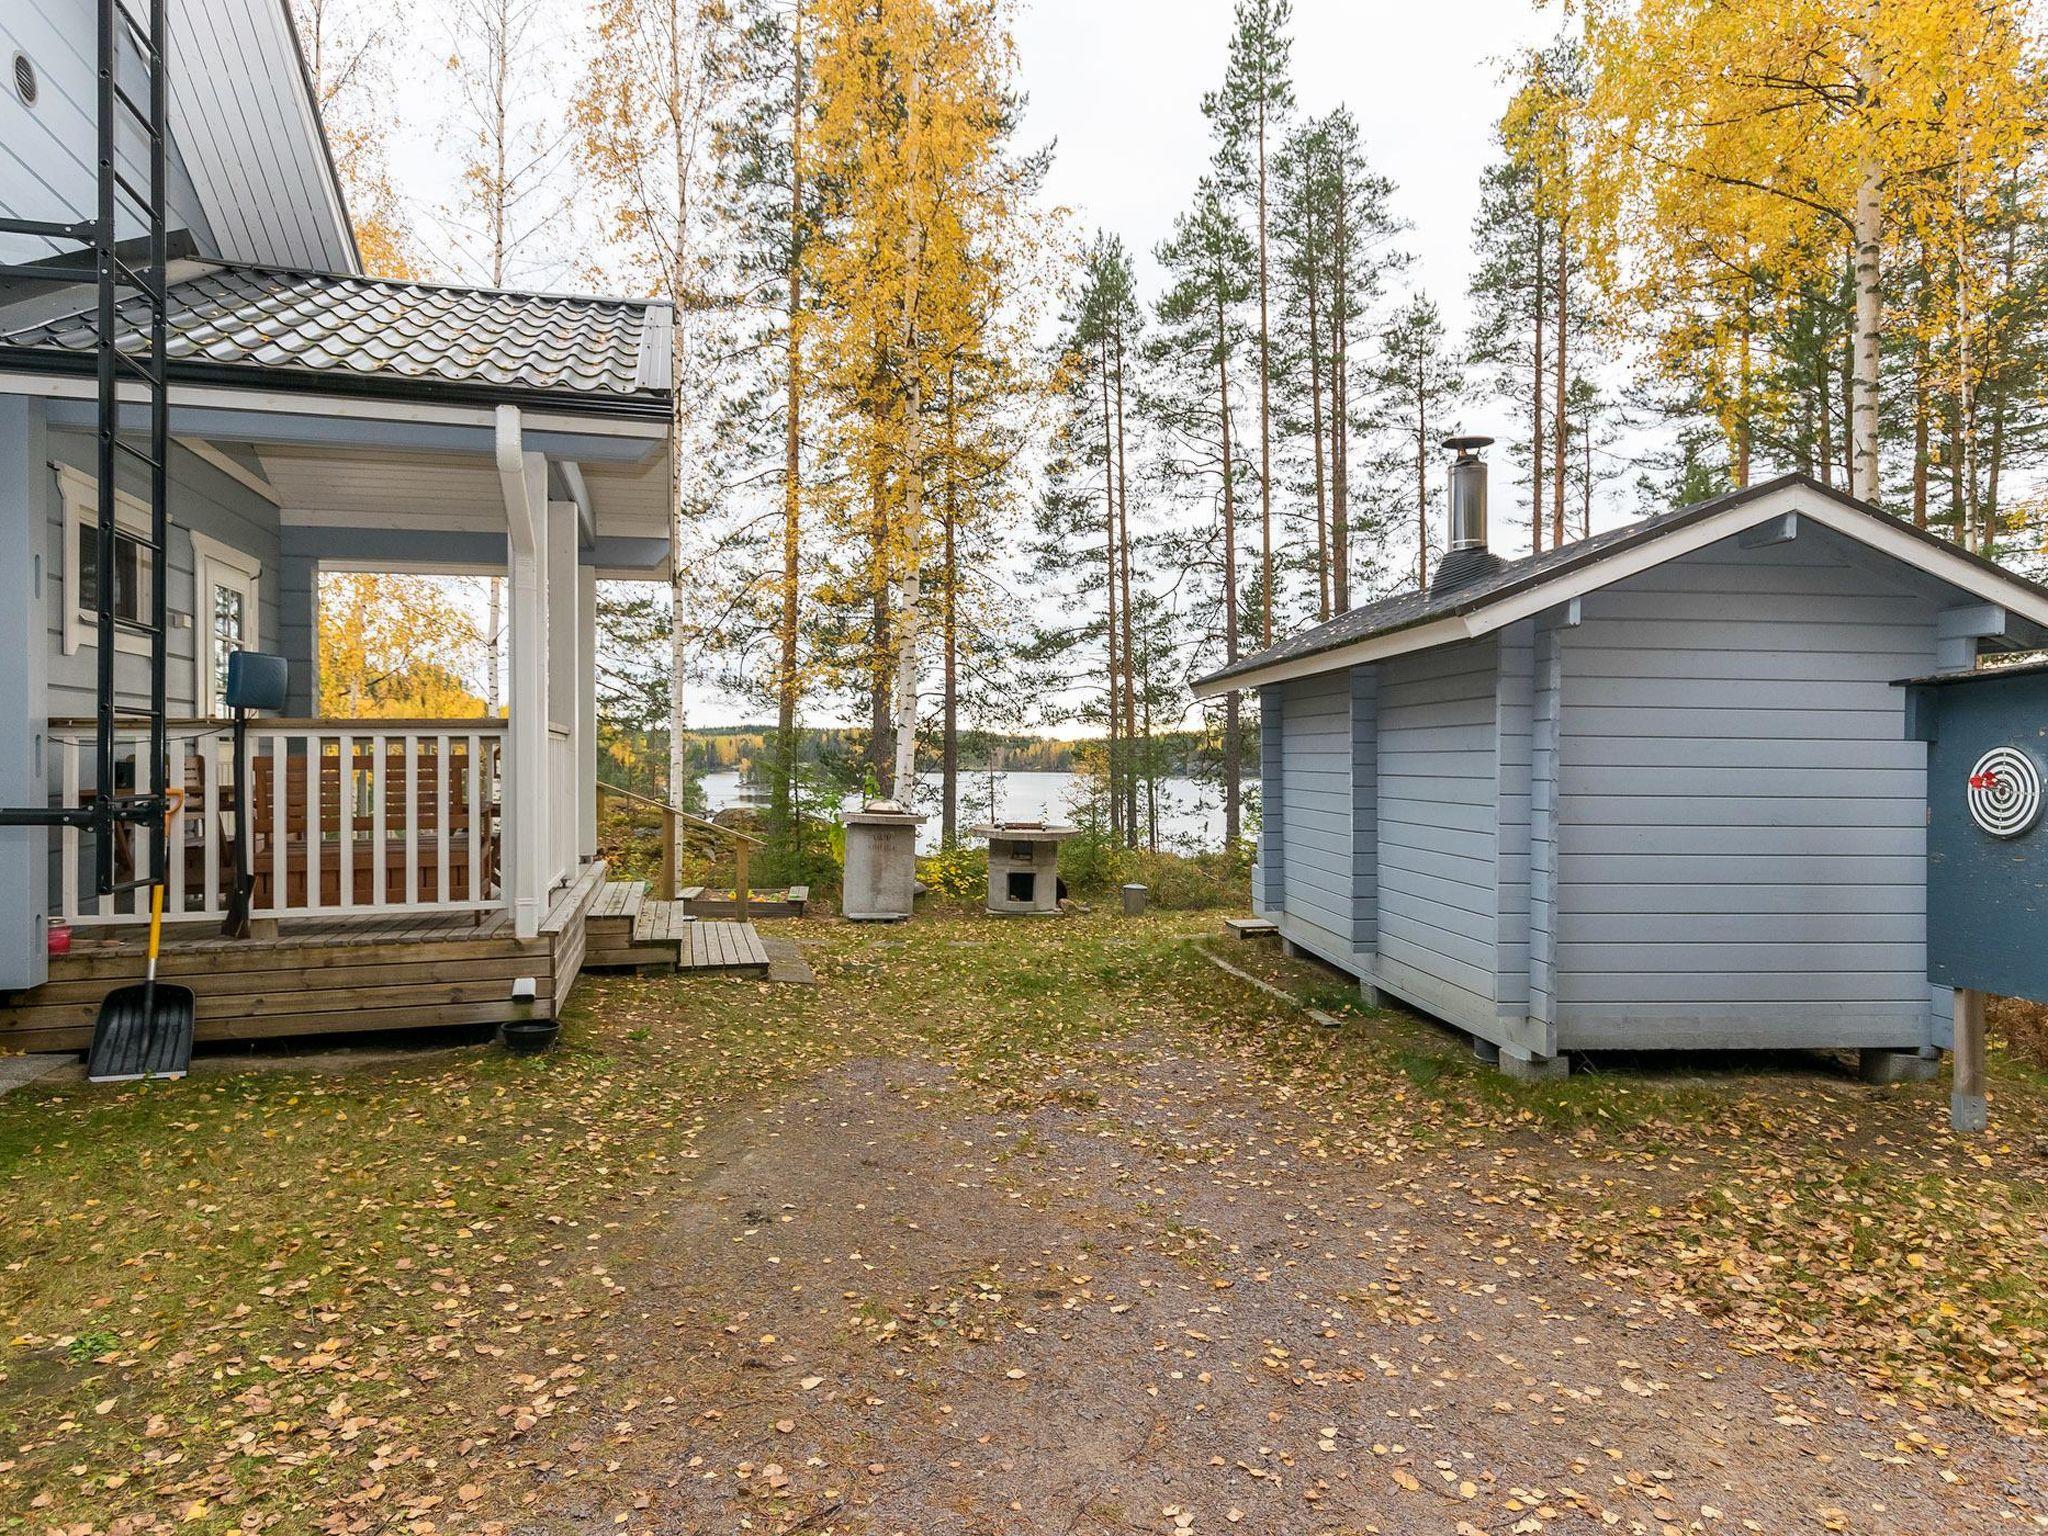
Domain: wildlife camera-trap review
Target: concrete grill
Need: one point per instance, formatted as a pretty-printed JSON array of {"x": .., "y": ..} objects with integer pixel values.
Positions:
[{"x": 1023, "y": 866}]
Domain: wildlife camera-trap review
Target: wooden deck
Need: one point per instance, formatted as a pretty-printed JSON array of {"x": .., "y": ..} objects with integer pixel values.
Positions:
[
  {"x": 630, "y": 930},
  {"x": 320, "y": 976}
]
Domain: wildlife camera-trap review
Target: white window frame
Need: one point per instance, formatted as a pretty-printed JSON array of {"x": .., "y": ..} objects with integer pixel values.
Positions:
[
  {"x": 211, "y": 558},
  {"x": 81, "y": 494}
]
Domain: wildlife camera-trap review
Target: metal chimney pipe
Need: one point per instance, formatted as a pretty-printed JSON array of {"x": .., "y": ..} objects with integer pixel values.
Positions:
[
  {"x": 1468, "y": 494},
  {"x": 1466, "y": 557}
]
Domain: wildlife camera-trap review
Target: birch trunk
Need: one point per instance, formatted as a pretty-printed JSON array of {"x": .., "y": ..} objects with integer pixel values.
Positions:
[
  {"x": 678, "y": 584},
  {"x": 1869, "y": 319},
  {"x": 904, "y": 783},
  {"x": 494, "y": 627},
  {"x": 1123, "y": 537},
  {"x": 784, "y": 792}
]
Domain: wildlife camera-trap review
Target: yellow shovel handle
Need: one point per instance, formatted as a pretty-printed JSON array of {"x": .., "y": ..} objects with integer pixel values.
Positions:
[{"x": 176, "y": 798}]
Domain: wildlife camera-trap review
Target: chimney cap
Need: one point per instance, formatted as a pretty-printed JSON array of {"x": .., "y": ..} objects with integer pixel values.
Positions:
[{"x": 1467, "y": 446}]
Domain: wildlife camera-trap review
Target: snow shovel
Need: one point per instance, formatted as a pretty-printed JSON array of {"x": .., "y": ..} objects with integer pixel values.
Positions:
[{"x": 145, "y": 1028}]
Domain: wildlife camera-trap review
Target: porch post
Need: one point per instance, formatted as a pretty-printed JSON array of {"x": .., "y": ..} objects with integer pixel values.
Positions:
[
  {"x": 586, "y": 711},
  {"x": 564, "y": 619},
  {"x": 523, "y": 479}
]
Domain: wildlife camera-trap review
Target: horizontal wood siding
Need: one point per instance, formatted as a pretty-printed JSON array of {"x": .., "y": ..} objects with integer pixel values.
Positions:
[
  {"x": 202, "y": 498},
  {"x": 1315, "y": 787},
  {"x": 1742, "y": 823},
  {"x": 1437, "y": 828},
  {"x": 48, "y": 151}
]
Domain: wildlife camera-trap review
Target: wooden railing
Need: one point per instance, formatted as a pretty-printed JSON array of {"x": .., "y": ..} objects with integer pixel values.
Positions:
[
  {"x": 671, "y": 819},
  {"x": 346, "y": 817}
]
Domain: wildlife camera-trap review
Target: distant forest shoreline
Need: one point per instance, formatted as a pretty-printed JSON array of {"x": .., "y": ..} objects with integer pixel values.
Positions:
[{"x": 730, "y": 748}]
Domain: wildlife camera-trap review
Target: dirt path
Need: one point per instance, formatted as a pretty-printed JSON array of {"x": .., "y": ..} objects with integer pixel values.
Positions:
[{"x": 1143, "y": 1298}]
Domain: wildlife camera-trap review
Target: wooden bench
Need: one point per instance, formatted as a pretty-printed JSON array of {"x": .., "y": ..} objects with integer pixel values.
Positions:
[{"x": 420, "y": 814}]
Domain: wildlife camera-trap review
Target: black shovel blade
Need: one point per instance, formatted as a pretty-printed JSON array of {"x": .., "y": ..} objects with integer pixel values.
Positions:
[{"x": 144, "y": 1030}]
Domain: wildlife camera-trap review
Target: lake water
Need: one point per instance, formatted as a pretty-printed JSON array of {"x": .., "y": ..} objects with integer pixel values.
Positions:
[{"x": 1190, "y": 814}]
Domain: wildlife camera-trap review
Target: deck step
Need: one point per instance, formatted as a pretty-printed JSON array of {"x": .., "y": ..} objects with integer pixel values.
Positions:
[
  {"x": 660, "y": 922},
  {"x": 619, "y": 898},
  {"x": 714, "y": 945},
  {"x": 630, "y": 931},
  {"x": 1249, "y": 927}
]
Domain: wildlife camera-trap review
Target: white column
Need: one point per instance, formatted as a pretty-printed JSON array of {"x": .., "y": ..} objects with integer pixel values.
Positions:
[
  {"x": 564, "y": 620},
  {"x": 586, "y": 711},
  {"x": 523, "y": 478}
]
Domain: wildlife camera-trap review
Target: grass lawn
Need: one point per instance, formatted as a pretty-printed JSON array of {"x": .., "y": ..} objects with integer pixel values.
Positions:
[{"x": 464, "y": 1291}]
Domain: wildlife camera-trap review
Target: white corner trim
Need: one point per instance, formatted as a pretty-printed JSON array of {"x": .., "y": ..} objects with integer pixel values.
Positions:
[{"x": 1875, "y": 531}]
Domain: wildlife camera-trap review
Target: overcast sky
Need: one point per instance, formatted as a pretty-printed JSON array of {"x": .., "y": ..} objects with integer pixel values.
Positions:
[{"x": 1118, "y": 84}]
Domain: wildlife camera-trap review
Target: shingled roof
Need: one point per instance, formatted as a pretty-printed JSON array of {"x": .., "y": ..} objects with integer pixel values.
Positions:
[
  {"x": 242, "y": 324},
  {"x": 1509, "y": 579}
]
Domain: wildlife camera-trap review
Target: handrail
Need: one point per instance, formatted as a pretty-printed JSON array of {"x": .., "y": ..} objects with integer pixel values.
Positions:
[
  {"x": 368, "y": 725},
  {"x": 741, "y": 841},
  {"x": 696, "y": 821}
]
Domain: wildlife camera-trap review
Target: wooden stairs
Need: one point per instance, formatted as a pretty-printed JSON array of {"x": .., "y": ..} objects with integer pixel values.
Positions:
[{"x": 626, "y": 929}]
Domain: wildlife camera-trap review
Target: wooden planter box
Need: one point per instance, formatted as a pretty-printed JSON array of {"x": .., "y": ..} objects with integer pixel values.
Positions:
[{"x": 702, "y": 901}]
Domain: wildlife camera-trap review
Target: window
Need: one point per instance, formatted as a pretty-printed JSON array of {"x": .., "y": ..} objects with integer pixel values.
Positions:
[
  {"x": 131, "y": 575},
  {"x": 226, "y": 616},
  {"x": 132, "y": 565}
]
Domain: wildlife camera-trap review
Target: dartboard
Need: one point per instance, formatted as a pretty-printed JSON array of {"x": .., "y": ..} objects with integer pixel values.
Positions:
[{"x": 2005, "y": 792}]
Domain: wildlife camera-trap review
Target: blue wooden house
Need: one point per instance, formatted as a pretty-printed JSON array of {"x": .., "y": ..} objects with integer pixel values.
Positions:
[
  {"x": 1654, "y": 789},
  {"x": 317, "y": 421}
]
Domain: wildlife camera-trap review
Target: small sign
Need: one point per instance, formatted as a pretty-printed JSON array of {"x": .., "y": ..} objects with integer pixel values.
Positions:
[{"x": 2005, "y": 792}]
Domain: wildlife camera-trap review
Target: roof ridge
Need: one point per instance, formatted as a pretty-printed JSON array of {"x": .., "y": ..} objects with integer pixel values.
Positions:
[
  {"x": 552, "y": 295},
  {"x": 1414, "y": 606}
]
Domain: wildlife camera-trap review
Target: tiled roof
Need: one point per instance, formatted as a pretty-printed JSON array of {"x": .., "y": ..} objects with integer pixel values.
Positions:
[
  {"x": 235, "y": 317},
  {"x": 1408, "y": 609}
]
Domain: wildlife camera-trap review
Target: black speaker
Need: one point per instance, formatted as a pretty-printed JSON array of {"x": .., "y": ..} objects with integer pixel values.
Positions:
[{"x": 256, "y": 680}]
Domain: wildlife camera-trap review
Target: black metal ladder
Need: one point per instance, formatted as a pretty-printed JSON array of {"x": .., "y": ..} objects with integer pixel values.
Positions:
[{"x": 137, "y": 300}]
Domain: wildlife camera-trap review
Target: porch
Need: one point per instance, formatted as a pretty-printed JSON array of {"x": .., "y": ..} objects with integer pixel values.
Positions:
[
  {"x": 323, "y": 424},
  {"x": 366, "y": 971}
]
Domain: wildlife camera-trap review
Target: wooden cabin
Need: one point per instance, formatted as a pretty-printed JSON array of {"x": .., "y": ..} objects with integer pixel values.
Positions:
[{"x": 1651, "y": 790}]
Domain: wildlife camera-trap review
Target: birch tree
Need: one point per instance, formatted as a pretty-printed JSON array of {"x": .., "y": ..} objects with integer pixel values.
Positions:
[
  {"x": 915, "y": 106},
  {"x": 348, "y": 47},
  {"x": 1824, "y": 128},
  {"x": 642, "y": 121}
]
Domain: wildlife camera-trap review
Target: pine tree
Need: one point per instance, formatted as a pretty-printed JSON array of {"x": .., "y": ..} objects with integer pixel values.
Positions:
[
  {"x": 1337, "y": 237},
  {"x": 769, "y": 208},
  {"x": 1247, "y": 116},
  {"x": 1510, "y": 303},
  {"x": 1417, "y": 385},
  {"x": 1196, "y": 352}
]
